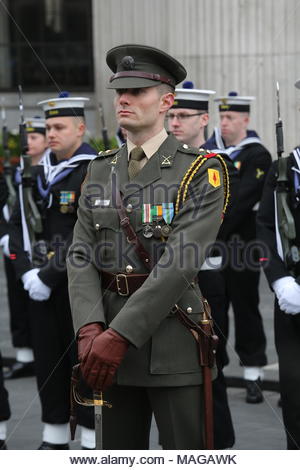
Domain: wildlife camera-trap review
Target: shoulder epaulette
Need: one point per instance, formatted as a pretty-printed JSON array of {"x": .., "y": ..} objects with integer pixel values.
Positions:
[
  {"x": 107, "y": 153},
  {"x": 185, "y": 148},
  {"x": 203, "y": 156}
]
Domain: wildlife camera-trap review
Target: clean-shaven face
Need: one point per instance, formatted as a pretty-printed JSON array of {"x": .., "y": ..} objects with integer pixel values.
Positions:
[
  {"x": 37, "y": 144},
  {"x": 138, "y": 109},
  {"x": 186, "y": 124},
  {"x": 64, "y": 134},
  {"x": 233, "y": 125}
]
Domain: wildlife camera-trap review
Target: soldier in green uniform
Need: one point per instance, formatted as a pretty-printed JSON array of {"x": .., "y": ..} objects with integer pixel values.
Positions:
[{"x": 131, "y": 342}]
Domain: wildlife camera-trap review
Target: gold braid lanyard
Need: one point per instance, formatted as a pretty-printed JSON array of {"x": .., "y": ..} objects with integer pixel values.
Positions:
[
  {"x": 203, "y": 330},
  {"x": 190, "y": 174}
]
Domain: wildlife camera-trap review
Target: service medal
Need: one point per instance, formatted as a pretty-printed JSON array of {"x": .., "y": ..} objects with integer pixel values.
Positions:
[
  {"x": 147, "y": 231},
  {"x": 157, "y": 231},
  {"x": 168, "y": 212},
  {"x": 64, "y": 209},
  {"x": 166, "y": 230}
]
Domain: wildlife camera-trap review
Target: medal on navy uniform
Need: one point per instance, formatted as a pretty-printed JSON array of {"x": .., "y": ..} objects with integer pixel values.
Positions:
[
  {"x": 64, "y": 209},
  {"x": 67, "y": 199}
]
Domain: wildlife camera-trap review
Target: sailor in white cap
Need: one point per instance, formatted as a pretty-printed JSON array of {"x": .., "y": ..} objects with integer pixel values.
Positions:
[
  {"x": 57, "y": 186},
  {"x": 242, "y": 272},
  {"x": 36, "y": 138},
  {"x": 188, "y": 117}
]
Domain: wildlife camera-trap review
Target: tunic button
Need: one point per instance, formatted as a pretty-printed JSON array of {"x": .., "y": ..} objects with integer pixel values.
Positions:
[
  {"x": 189, "y": 310},
  {"x": 129, "y": 208},
  {"x": 185, "y": 146},
  {"x": 129, "y": 269},
  {"x": 97, "y": 227}
]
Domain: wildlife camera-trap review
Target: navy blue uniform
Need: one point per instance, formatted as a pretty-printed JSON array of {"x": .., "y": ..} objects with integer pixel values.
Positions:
[
  {"x": 241, "y": 268},
  {"x": 287, "y": 327},
  {"x": 51, "y": 323}
]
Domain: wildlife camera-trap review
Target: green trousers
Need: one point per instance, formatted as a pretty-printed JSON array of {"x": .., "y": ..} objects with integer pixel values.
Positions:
[{"x": 178, "y": 412}]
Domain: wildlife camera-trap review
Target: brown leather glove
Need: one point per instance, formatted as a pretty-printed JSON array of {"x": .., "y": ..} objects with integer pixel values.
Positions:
[
  {"x": 85, "y": 338},
  {"x": 105, "y": 355}
]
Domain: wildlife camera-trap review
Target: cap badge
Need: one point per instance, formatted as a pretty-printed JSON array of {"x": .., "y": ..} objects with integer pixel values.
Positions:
[
  {"x": 128, "y": 62},
  {"x": 51, "y": 103}
]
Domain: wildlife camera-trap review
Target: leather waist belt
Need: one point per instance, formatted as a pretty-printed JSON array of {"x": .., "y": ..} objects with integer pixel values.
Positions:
[{"x": 123, "y": 284}]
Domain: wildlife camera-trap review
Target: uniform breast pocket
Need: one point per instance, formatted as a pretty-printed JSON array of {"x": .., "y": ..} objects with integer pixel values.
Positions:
[{"x": 107, "y": 228}]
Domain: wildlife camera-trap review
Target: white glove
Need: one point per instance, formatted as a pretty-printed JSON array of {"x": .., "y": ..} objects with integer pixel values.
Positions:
[
  {"x": 4, "y": 242},
  {"x": 287, "y": 291},
  {"x": 36, "y": 288}
]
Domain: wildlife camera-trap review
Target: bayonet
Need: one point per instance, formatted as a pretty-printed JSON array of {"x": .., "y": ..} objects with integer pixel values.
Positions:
[
  {"x": 7, "y": 168},
  {"x": 279, "y": 127},
  {"x": 104, "y": 129},
  {"x": 27, "y": 204}
]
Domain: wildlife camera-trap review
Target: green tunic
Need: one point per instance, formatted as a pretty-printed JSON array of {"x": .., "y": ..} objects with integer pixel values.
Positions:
[{"x": 162, "y": 352}]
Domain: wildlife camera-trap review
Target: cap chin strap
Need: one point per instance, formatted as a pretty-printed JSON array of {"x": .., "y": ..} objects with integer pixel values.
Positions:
[{"x": 150, "y": 76}]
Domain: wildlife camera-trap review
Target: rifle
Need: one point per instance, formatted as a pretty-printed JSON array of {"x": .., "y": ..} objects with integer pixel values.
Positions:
[
  {"x": 7, "y": 168},
  {"x": 28, "y": 206},
  {"x": 286, "y": 223},
  {"x": 104, "y": 128}
]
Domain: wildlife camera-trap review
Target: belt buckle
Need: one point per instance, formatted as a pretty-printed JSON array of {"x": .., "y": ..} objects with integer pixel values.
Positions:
[{"x": 118, "y": 277}]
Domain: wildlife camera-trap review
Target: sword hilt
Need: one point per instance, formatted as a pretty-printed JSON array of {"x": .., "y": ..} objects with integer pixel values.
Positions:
[{"x": 98, "y": 400}]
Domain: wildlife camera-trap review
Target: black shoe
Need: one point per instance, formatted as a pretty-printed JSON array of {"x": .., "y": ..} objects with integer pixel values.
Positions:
[
  {"x": 48, "y": 446},
  {"x": 3, "y": 445},
  {"x": 254, "y": 393},
  {"x": 19, "y": 369},
  {"x": 87, "y": 448}
]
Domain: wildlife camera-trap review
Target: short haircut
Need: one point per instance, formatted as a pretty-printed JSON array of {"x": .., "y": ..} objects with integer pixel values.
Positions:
[
  {"x": 79, "y": 119},
  {"x": 164, "y": 88}
]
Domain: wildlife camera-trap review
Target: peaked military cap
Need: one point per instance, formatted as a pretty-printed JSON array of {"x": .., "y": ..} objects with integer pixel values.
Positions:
[
  {"x": 64, "y": 105},
  {"x": 35, "y": 125},
  {"x": 192, "y": 98},
  {"x": 138, "y": 66},
  {"x": 234, "y": 102}
]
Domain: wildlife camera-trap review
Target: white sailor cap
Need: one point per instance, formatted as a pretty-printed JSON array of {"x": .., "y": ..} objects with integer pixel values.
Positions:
[
  {"x": 35, "y": 124},
  {"x": 234, "y": 102},
  {"x": 192, "y": 98},
  {"x": 63, "y": 105}
]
